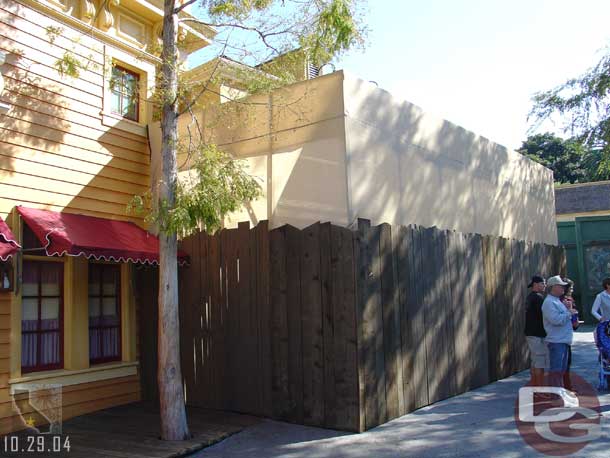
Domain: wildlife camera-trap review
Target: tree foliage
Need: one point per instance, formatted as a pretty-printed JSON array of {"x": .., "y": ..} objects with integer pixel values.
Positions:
[
  {"x": 214, "y": 186},
  {"x": 570, "y": 160},
  {"x": 583, "y": 103},
  {"x": 324, "y": 28},
  {"x": 69, "y": 64},
  {"x": 563, "y": 157}
]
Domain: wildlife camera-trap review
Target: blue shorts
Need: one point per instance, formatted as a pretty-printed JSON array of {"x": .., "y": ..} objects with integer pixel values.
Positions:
[{"x": 558, "y": 356}]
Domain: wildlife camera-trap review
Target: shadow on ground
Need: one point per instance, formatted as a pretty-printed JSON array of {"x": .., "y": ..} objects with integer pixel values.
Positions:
[{"x": 479, "y": 423}]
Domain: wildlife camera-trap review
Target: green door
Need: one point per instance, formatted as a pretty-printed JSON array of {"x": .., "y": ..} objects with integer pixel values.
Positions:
[{"x": 587, "y": 244}]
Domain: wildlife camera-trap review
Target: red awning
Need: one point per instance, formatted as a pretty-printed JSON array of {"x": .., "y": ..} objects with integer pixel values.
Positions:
[
  {"x": 98, "y": 238},
  {"x": 8, "y": 244}
]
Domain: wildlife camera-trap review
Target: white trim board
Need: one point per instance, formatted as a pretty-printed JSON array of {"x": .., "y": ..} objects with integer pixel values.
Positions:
[{"x": 75, "y": 377}]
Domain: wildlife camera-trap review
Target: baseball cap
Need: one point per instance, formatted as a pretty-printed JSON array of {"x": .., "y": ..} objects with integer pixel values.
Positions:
[
  {"x": 556, "y": 280},
  {"x": 536, "y": 279}
]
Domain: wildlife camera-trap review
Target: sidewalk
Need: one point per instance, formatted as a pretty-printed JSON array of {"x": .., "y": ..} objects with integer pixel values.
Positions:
[{"x": 476, "y": 424}]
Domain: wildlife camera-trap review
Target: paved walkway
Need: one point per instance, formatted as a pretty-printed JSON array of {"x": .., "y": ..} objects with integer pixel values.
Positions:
[{"x": 476, "y": 424}]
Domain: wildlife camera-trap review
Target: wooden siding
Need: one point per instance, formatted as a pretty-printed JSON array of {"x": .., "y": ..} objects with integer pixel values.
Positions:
[
  {"x": 5, "y": 330},
  {"x": 77, "y": 400},
  {"x": 55, "y": 151},
  {"x": 56, "y": 154}
]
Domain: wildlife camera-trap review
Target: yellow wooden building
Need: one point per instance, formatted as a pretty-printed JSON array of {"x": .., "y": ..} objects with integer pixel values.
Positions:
[
  {"x": 78, "y": 146},
  {"x": 75, "y": 150}
]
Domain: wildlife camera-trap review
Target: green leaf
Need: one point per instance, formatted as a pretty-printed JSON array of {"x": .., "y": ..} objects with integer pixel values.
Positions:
[{"x": 215, "y": 186}]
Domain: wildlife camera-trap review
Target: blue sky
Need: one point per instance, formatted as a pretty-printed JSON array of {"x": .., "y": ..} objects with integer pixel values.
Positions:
[{"x": 477, "y": 63}]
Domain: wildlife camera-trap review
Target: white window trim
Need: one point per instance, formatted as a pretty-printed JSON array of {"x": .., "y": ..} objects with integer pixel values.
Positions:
[
  {"x": 4, "y": 107},
  {"x": 128, "y": 344},
  {"x": 63, "y": 6},
  {"x": 113, "y": 120},
  {"x": 146, "y": 71},
  {"x": 128, "y": 37}
]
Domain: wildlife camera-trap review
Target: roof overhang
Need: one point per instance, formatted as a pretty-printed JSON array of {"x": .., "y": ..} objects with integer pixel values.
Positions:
[
  {"x": 225, "y": 68},
  {"x": 197, "y": 35}
]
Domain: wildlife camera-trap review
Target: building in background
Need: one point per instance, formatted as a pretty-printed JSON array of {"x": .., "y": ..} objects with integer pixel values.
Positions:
[
  {"x": 583, "y": 228},
  {"x": 336, "y": 148}
]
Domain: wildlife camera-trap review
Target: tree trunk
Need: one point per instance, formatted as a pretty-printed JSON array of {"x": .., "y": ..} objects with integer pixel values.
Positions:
[{"x": 171, "y": 396}]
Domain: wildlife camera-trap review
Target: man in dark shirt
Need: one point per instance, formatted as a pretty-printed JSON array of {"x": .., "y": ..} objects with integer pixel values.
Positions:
[{"x": 534, "y": 330}]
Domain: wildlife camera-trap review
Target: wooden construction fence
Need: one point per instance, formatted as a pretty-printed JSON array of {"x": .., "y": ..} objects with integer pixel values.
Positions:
[{"x": 347, "y": 329}]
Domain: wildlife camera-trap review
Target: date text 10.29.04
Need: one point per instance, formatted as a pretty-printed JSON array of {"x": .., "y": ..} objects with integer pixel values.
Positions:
[{"x": 41, "y": 443}]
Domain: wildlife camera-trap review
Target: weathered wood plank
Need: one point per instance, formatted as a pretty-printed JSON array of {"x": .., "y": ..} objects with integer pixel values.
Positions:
[
  {"x": 490, "y": 282},
  {"x": 402, "y": 246},
  {"x": 360, "y": 288},
  {"x": 199, "y": 321},
  {"x": 436, "y": 337},
  {"x": 313, "y": 341},
  {"x": 223, "y": 299},
  {"x": 205, "y": 324},
  {"x": 419, "y": 322},
  {"x": 497, "y": 304},
  {"x": 229, "y": 256},
  {"x": 253, "y": 327},
  {"x": 264, "y": 325},
  {"x": 279, "y": 324},
  {"x": 478, "y": 330},
  {"x": 461, "y": 312},
  {"x": 450, "y": 308},
  {"x": 245, "y": 396},
  {"x": 518, "y": 305},
  {"x": 465, "y": 355},
  {"x": 345, "y": 352},
  {"x": 218, "y": 320},
  {"x": 391, "y": 324},
  {"x": 187, "y": 304},
  {"x": 505, "y": 291},
  {"x": 328, "y": 327},
  {"x": 372, "y": 325},
  {"x": 296, "y": 353}
]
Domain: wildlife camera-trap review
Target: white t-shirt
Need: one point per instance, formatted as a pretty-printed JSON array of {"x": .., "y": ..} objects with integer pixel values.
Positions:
[{"x": 601, "y": 306}]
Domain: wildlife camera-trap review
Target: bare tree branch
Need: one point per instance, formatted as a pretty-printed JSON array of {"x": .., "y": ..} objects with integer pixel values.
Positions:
[
  {"x": 205, "y": 87},
  {"x": 262, "y": 35},
  {"x": 184, "y": 5}
]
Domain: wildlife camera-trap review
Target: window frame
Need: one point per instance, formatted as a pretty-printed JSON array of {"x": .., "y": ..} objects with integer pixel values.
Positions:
[
  {"x": 136, "y": 21},
  {"x": 60, "y": 364},
  {"x": 122, "y": 96},
  {"x": 101, "y": 296}
]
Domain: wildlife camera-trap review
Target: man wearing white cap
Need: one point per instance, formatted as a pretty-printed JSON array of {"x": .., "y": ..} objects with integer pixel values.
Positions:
[{"x": 557, "y": 320}]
